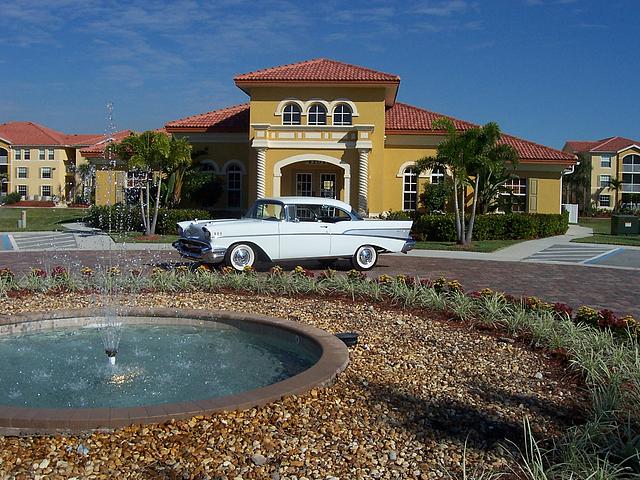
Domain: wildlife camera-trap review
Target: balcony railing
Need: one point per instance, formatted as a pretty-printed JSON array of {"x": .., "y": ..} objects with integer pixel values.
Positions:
[
  {"x": 4, "y": 160},
  {"x": 631, "y": 188}
]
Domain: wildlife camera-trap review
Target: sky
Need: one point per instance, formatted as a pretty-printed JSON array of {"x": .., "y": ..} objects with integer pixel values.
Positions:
[{"x": 545, "y": 70}]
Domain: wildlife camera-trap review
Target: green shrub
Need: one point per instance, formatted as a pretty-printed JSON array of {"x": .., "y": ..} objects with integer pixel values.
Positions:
[
  {"x": 510, "y": 226},
  {"x": 435, "y": 196},
  {"x": 126, "y": 218},
  {"x": 13, "y": 197},
  {"x": 167, "y": 219},
  {"x": 397, "y": 215}
]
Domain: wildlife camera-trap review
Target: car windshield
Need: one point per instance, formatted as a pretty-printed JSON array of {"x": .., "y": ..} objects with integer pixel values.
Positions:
[{"x": 266, "y": 211}]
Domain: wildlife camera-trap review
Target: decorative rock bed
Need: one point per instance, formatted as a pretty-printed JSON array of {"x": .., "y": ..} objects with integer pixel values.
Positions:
[{"x": 417, "y": 388}]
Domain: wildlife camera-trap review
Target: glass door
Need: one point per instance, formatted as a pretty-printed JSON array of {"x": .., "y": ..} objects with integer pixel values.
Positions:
[
  {"x": 304, "y": 185},
  {"x": 328, "y": 185}
]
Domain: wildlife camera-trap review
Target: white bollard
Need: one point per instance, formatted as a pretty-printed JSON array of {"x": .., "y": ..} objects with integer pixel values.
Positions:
[{"x": 23, "y": 218}]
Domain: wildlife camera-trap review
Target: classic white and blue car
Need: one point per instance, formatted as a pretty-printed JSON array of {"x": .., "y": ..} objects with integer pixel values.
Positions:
[{"x": 293, "y": 228}]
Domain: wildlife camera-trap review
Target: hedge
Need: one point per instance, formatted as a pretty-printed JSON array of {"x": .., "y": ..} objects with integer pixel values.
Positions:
[
  {"x": 126, "y": 218},
  {"x": 510, "y": 226}
]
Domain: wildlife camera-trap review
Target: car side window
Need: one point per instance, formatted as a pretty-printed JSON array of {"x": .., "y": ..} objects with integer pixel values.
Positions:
[
  {"x": 331, "y": 214},
  {"x": 304, "y": 213},
  {"x": 270, "y": 211}
]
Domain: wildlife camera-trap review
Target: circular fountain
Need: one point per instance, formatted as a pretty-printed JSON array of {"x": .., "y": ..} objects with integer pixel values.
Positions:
[{"x": 170, "y": 364}]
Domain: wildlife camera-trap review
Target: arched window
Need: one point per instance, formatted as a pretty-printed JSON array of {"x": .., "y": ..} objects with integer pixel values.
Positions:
[
  {"x": 437, "y": 175},
  {"x": 342, "y": 114},
  {"x": 234, "y": 186},
  {"x": 317, "y": 115},
  {"x": 409, "y": 189},
  {"x": 291, "y": 114}
]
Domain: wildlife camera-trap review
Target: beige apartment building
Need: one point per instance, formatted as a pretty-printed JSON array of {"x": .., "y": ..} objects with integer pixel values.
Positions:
[
  {"x": 612, "y": 158},
  {"x": 40, "y": 163}
]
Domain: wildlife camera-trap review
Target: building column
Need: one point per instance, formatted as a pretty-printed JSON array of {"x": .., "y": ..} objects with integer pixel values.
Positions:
[
  {"x": 363, "y": 180},
  {"x": 260, "y": 171}
]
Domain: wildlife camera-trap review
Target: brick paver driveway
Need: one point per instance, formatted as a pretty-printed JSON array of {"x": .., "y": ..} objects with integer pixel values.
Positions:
[{"x": 572, "y": 284}]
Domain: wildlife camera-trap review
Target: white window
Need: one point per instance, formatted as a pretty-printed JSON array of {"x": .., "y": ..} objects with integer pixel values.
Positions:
[
  {"x": 22, "y": 190},
  {"x": 605, "y": 161},
  {"x": 51, "y": 154},
  {"x": 437, "y": 175},
  {"x": 234, "y": 186},
  {"x": 317, "y": 115},
  {"x": 342, "y": 115},
  {"x": 604, "y": 200},
  {"x": 22, "y": 172},
  {"x": 304, "y": 182},
  {"x": 605, "y": 180},
  {"x": 45, "y": 172},
  {"x": 18, "y": 154},
  {"x": 27, "y": 154},
  {"x": 291, "y": 114},
  {"x": 45, "y": 190},
  {"x": 516, "y": 191},
  {"x": 41, "y": 154},
  {"x": 409, "y": 189}
]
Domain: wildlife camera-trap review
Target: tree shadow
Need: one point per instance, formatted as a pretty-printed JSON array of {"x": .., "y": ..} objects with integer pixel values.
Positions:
[{"x": 479, "y": 421}]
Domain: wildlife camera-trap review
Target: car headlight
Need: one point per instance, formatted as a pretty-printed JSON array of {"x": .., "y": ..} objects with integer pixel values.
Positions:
[{"x": 207, "y": 234}]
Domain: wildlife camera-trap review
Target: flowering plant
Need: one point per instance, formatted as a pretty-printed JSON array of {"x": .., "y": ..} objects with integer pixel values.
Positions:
[
  {"x": 6, "y": 274},
  {"x": 86, "y": 272},
  {"x": 38, "y": 273},
  {"x": 59, "y": 272}
]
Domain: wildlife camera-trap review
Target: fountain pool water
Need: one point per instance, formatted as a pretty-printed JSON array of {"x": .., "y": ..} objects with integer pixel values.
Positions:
[{"x": 171, "y": 364}]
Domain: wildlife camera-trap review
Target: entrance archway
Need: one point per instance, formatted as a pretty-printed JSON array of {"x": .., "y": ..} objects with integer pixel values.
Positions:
[{"x": 312, "y": 157}]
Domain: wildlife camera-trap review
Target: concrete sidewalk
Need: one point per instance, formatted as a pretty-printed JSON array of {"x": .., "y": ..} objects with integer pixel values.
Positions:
[
  {"x": 76, "y": 236},
  {"x": 552, "y": 250}
]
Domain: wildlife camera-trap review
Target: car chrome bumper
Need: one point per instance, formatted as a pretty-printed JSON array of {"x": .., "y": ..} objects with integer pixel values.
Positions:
[
  {"x": 408, "y": 245},
  {"x": 199, "y": 250}
]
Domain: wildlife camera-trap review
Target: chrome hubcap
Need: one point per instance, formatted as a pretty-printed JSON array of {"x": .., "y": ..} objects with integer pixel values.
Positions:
[
  {"x": 241, "y": 257},
  {"x": 365, "y": 256}
]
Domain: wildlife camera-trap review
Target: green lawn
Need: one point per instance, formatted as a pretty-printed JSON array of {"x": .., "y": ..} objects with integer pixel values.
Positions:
[
  {"x": 39, "y": 219},
  {"x": 601, "y": 229},
  {"x": 483, "y": 246},
  {"x": 137, "y": 237}
]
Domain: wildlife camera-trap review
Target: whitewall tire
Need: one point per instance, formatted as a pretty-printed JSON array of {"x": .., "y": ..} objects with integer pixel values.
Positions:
[
  {"x": 365, "y": 258},
  {"x": 240, "y": 255}
]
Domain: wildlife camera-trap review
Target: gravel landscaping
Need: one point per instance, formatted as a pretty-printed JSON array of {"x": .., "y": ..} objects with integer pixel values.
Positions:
[{"x": 418, "y": 387}]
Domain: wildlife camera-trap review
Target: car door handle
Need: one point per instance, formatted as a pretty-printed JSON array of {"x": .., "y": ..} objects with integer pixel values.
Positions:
[{"x": 324, "y": 226}]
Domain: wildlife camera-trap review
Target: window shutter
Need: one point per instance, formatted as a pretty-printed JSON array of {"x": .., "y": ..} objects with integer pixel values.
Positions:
[{"x": 533, "y": 196}]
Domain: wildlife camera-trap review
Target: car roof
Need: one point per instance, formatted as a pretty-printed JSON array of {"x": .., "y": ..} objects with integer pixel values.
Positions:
[{"x": 310, "y": 201}]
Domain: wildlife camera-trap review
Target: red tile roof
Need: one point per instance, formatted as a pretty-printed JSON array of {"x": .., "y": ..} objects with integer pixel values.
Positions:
[
  {"x": 29, "y": 133},
  {"x": 403, "y": 118},
  {"x": 317, "y": 70},
  {"x": 230, "y": 119},
  {"x": 614, "y": 144},
  {"x": 407, "y": 118},
  {"x": 97, "y": 149},
  {"x": 581, "y": 146},
  {"x": 609, "y": 144}
]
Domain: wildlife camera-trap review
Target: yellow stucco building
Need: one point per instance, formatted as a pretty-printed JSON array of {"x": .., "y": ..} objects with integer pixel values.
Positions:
[
  {"x": 40, "y": 163},
  {"x": 611, "y": 158},
  {"x": 326, "y": 128}
]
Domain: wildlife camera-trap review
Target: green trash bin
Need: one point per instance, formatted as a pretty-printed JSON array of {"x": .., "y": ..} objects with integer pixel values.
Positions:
[{"x": 625, "y": 225}]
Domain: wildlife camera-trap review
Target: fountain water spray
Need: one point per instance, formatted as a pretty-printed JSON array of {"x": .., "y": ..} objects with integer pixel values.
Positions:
[{"x": 110, "y": 333}]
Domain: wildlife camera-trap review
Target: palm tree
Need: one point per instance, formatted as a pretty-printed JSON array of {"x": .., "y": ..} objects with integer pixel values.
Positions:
[
  {"x": 470, "y": 156},
  {"x": 86, "y": 172},
  {"x": 615, "y": 185},
  {"x": 152, "y": 152}
]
